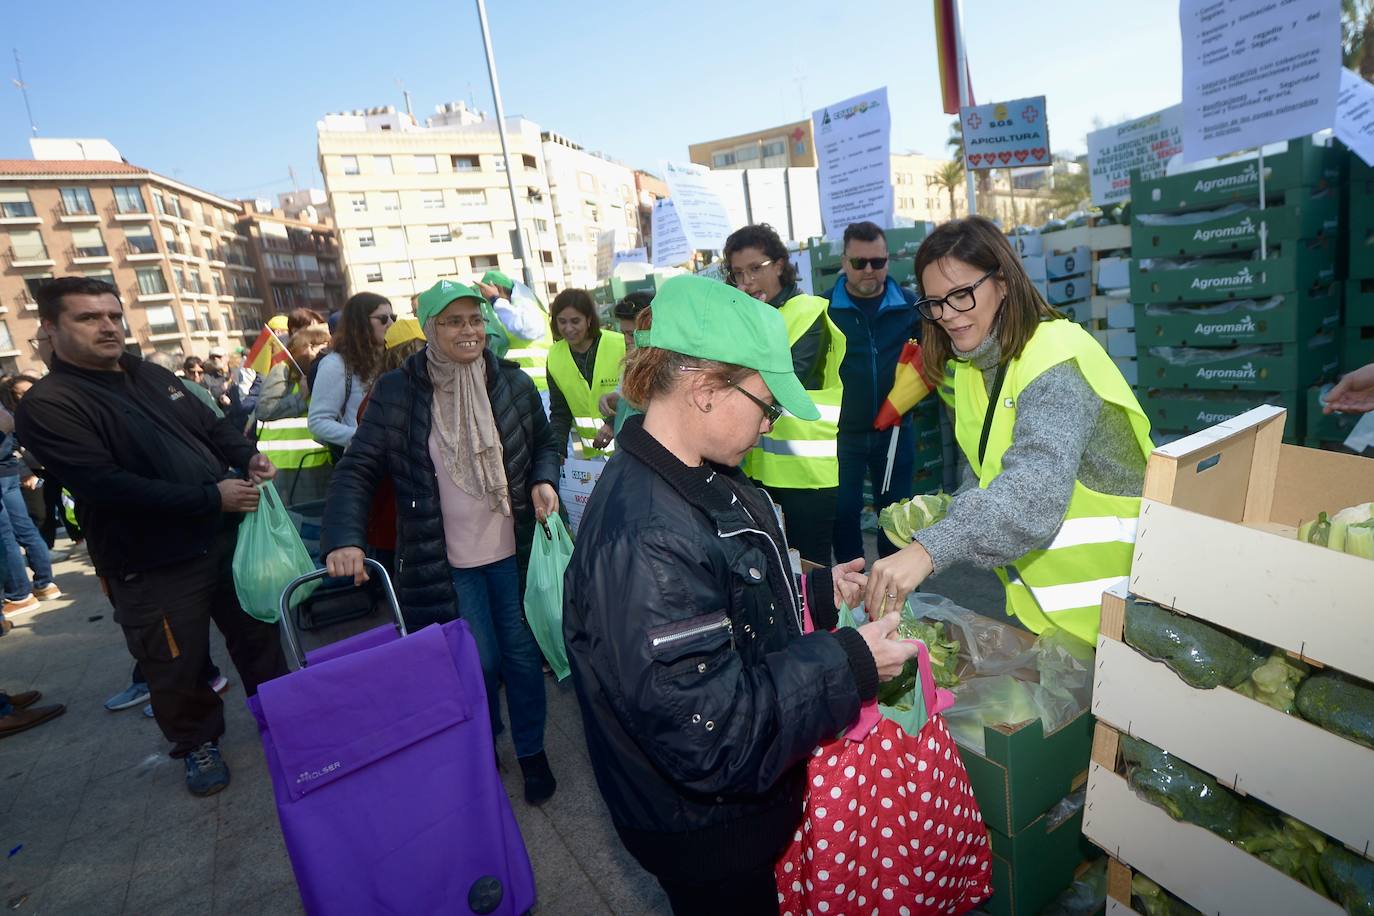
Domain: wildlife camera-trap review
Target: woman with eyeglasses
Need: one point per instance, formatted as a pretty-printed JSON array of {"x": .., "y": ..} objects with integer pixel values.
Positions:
[
  {"x": 583, "y": 365},
  {"x": 1054, "y": 439},
  {"x": 796, "y": 461},
  {"x": 701, "y": 697},
  {"x": 348, "y": 370},
  {"x": 464, "y": 440}
]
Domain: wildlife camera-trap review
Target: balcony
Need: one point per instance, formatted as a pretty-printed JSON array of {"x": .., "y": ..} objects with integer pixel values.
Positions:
[
  {"x": 25, "y": 301},
  {"x": 136, "y": 253},
  {"x": 28, "y": 259},
  {"x": 19, "y": 214},
  {"x": 90, "y": 255},
  {"x": 112, "y": 212}
]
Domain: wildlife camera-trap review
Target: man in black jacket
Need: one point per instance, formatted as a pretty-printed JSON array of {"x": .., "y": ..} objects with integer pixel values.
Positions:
[{"x": 157, "y": 479}]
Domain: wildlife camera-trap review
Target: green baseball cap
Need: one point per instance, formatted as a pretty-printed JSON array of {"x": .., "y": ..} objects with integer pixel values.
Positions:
[
  {"x": 437, "y": 298},
  {"x": 496, "y": 278},
  {"x": 709, "y": 320}
]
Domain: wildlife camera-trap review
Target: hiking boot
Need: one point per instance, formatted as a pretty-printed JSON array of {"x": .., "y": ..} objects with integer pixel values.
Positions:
[
  {"x": 206, "y": 772},
  {"x": 47, "y": 592},
  {"x": 19, "y": 605},
  {"x": 539, "y": 781},
  {"x": 24, "y": 719},
  {"x": 26, "y": 699},
  {"x": 129, "y": 696}
]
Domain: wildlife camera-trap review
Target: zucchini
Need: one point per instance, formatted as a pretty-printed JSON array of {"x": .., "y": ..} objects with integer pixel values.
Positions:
[
  {"x": 1339, "y": 705},
  {"x": 1200, "y": 654}
]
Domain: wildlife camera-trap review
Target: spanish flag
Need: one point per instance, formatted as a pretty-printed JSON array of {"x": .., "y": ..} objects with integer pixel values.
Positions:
[
  {"x": 265, "y": 353},
  {"x": 947, "y": 57},
  {"x": 908, "y": 388}
]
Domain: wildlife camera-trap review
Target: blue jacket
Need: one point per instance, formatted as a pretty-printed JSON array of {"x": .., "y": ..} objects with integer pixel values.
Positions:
[{"x": 873, "y": 349}]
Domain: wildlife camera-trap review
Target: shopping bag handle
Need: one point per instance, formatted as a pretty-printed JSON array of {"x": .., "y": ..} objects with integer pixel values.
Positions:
[{"x": 288, "y": 626}]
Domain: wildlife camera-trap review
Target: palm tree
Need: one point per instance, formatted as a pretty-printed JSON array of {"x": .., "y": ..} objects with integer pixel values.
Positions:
[
  {"x": 1357, "y": 36},
  {"x": 1071, "y": 191},
  {"x": 955, "y": 144},
  {"x": 950, "y": 178}
]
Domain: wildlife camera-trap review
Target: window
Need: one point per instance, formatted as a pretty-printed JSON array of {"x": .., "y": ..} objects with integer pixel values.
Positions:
[
  {"x": 541, "y": 225},
  {"x": 530, "y": 162},
  {"x": 197, "y": 213},
  {"x": 204, "y": 323},
  {"x": 464, "y": 163},
  {"x": 476, "y": 231},
  {"x": 281, "y": 263},
  {"x": 162, "y": 320},
  {"x": 484, "y": 262},
  {"x": 404, "y": 271},
  {"x": 591, "y": 212},
  {"x": 586, "y": 182},
  {"x": 381, "y": 165},
  {"x": 548, "y": 256},
  {"x": 776, "y": 148},
  {"x": 722, "y": 160},
  {"x": 749, "y": 153},
  {"x": 472, "y": 197},
  {"x": 88, "y": 243},
  {"x": 425, "y": 165},
  {"x": 151, "y": 281},
  {"x": 174, "y": 206},
  {"x": 106, "y": 274},
  {"x": 6, "y": 341},
  {"x": 349, "y": 164},
  {"x": 439, "y": 234},
  {"x": 27, "y": 245},
  {"x": 372, "y": 274},
  {"x": 169, "y": 239},
  {"x": 219, "y": 285},
  {"x": 34, "y": 284},
  {"x": 443, "y": 267},
  {"x": 391, "y": 201},
  {"x": 140, "y": 241},
  {"x": 77, "y": 202},
  {"x": 432, "y": 200},
  {"x": 281, "y": 299},
  {"x": 366, "y": 239},
  {"x": 15, "y": 203},
  {"x": 358, "y": 202},
  {"x": 159, "y": 204}
]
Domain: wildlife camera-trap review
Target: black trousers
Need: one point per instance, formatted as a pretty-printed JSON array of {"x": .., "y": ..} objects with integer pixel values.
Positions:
[
  {"x": 753, "y": 893},
  {"x": 166, "y": 614},
  {"x": 809, "y": 516}
]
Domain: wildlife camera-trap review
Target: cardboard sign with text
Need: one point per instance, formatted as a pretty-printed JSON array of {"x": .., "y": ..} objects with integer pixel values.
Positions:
[
  {"x": 853, "y": 142},
  {"x": 1006, "y": 135},
  {"x": 576, "y": 481},
  {"x": 1146, "y": 143}
]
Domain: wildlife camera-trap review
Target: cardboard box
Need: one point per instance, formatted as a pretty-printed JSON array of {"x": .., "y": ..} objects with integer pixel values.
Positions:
[
  {"x": 1185, "y": 410},
  {"x": 1112, "y": 273},
  {"x": 1304, "y": 164},
  {"x": 1120, "y": 314},
  {"x": 1254, "y": 367},
  {"x": 1190, "y": 862},
  {"x": 1032, "y": 867},
  {"x": 1121, "y": 342},
  {"x": 1286, "y": 318},
  {"x": 1246, "y": 745},
  {"x": 1130, "y": 369},
  {"x": 1059, "y": 292},
  {"x": 1299, "y": 266},
  {"x": 1323, "y": 427},
  {"x": 1035, "y": 268},
  {"x": 1028, "y": 243},
  {"x": 1304, "y": 214},
  {"x": 1357, "y": 346},
  {"x": 1070, "y": 264},
  {"x": 1103, "y": 237},
  {"x": 1215, "y": 538},
  {"x": 1023, "y": 772}
]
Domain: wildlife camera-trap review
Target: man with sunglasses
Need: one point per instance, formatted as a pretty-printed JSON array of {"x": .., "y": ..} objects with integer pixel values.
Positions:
[{"x": 877, "y": 317}]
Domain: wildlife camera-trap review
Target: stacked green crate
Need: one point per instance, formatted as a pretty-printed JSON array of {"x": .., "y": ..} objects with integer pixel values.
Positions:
[
  {"x": 825, "y": 255},
  {"x": 1218, "y": 329},
  {"x": 1357, "y": 339}
]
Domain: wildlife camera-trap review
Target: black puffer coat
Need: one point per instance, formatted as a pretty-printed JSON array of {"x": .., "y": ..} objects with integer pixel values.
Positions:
[
  {"x": 393, "y": 441},
  {"x": 700, "y": 696}
]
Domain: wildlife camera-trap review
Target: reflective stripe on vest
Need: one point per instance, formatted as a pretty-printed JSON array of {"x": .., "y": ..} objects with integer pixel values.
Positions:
[
  {"x": 531, "y": 356},
  {"x": 1060, "y": 584},
  {"x": 583, "y": 398},
  {"x": 288, "y": 444},
  {"x": 801, "y": 454}
]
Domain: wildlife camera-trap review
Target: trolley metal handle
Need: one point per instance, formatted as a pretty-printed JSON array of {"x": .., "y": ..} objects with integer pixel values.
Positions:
[{"x": 288, "y": 625}]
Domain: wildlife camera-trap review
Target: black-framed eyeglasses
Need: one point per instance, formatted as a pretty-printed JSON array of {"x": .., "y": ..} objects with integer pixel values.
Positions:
[
  {"x": 772, "y": 411},
  {"x": 961, "y": 300},
  {"x": 862, "y": 263},
  {"x": 384, "y": 319}
]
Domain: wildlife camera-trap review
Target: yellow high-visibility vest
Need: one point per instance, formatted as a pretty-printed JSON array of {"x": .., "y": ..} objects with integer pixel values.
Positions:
[
  {"x": 287, "y": 443},
  {"x": 582, "y": 398}
]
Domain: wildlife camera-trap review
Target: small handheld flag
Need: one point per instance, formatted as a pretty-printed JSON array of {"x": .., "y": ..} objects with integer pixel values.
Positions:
[
  {"x": 909, "y": 387},
  {"x": 265, "y": 353}
]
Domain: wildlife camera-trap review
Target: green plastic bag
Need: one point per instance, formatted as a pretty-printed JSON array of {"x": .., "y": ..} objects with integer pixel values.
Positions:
[
  {"x": 908, "y": 708},
  {"x": 268, "y": 556},
  {"x": 549, "y": 556}
]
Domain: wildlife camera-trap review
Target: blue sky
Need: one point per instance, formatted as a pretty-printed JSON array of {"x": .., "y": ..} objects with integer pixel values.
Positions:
[{"x": 225, "y": 96}]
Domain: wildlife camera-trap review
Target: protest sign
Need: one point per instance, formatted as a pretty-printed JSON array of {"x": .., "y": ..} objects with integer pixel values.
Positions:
[
  {"x": 1257, "y": 72},
  {"x": 700, "y": 209},
  {"x": 1146, "y": 143},
  {"x": 1006, "y": 135},
  {"x": 630, "y": 256},
  {"x": 1355, "y": 115},
  {"x": 576, "y": 481},
  {"x": 670, "y": 246},
  {"x": 852, "y": 150}
]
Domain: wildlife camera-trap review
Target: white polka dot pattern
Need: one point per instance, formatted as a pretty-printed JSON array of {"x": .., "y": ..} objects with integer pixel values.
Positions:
[{"x": 913, "y": 837}]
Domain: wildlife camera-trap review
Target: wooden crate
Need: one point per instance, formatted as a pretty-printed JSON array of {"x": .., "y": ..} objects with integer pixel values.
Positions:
[
  {"x": 1119, "y": 889},
  {"x": 1194, "y": 864},
  {"x": 1215, "y": 539},
  {"x": 1320, "y": 778}
]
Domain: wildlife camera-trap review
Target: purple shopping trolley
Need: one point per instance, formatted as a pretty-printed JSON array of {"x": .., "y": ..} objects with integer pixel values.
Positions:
[{"x": 381, "y": 758}]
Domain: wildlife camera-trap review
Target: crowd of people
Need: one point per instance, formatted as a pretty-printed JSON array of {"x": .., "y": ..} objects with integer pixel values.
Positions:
[{"x": 737, "y": 421}]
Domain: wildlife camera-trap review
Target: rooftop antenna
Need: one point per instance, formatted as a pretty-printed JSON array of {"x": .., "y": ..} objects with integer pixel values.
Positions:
[
  {"x": 406, "y": 94},
  {"x": 23, "y": 88},
  {"x": 295, "y": 185}
]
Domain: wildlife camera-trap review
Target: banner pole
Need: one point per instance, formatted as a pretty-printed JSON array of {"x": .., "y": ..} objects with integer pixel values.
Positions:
[{"x": 965, "y": 93}]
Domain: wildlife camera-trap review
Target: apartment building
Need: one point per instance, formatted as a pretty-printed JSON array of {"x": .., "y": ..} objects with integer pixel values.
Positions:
[
  {"x": 591, "y": 195},
  {"x": 298, "y": 261},
  {"x": 174, "y": 252},
  {"x": 774, "y": 147}
]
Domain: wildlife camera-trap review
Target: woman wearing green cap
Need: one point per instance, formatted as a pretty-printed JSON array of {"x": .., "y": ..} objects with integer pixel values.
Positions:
[
  {"x": 701, "y": 697},
  {"x": 464, "y": 439}
]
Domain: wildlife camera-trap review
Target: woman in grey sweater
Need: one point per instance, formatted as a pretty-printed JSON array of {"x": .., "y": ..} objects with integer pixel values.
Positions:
[
  {"x": 1053, "y": 438},
  {"x": 348, "y": 371}
]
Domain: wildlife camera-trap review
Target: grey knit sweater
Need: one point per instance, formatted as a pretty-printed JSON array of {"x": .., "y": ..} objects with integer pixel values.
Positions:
[{"x": 1063, "y": 431}]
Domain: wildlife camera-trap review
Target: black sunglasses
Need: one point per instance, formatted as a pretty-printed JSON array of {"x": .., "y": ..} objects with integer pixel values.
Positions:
[
  {"x": 862, "y": 263},
  {"x": 772, "y": 411},
  {"x": 961, "y": 300}
]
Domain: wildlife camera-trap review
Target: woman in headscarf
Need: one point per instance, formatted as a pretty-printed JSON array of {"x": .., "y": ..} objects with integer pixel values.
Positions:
[{"x": 464, "y": 439}]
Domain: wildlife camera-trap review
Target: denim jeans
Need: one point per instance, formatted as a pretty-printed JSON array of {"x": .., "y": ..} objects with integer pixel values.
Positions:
[
  {"x": 17, "y": 530},
  {"x": 866, "y": 454},
  {"x": 489, "y": 600},
  {"x": 5, "y": 707}
]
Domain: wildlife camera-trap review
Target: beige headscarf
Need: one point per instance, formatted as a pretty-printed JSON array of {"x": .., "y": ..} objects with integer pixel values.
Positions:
[{"x": 468, "y": 439}]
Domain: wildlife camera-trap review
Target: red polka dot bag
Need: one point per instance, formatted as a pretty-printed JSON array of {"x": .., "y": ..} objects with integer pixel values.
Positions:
[{"x": 890, "y": 826}]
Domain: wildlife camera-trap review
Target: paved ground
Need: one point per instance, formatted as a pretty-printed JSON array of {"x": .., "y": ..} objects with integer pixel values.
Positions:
[{"x": 95, "y": 818}]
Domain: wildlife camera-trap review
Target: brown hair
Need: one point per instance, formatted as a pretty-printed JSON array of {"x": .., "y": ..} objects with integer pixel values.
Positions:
[
  {"x": 766, "y": 239},
  {"x": 652, "y": 371},
  {"x": 302, "y": 318},
  {"x": 978, "y": 242},
  {"x": 395, "y": 357},
  {"x": 578, "y": 299},
  {"x": 354, "y": 341},
  {"x": 297, "y": 346}
]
